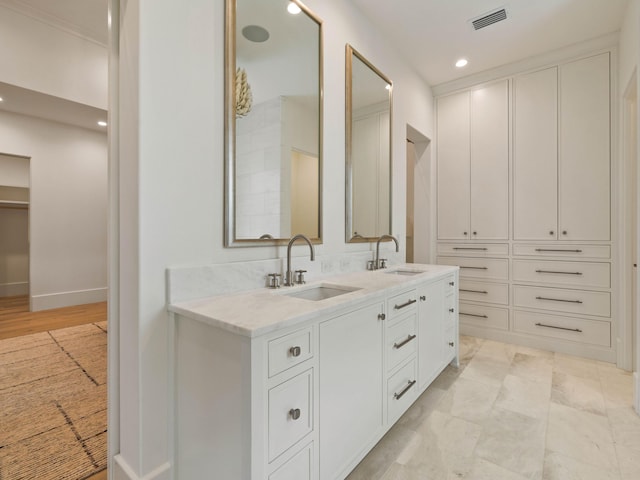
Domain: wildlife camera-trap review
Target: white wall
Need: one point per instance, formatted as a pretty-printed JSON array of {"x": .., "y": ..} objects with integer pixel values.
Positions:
[
  {"x": 171, "y": 181},
  {"x": 68, "y": 202},
  {"x": 40, "y": 57}
]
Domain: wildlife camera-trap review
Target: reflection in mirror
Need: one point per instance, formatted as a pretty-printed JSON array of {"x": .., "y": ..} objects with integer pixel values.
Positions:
[
  {"x": 368, "y": 155},
  {"x": 273, "y": 122}
]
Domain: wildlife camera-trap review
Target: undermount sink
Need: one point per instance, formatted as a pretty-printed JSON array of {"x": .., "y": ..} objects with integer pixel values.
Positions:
[
  {"x": 321, "y": 292},
  {"x": 404, "y": 272}
]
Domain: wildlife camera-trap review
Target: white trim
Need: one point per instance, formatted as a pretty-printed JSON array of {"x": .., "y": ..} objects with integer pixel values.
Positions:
[
  {"x": 122, "y": 471},
  {"x": 13, "y": 289},
  {"x": 66, "y": 299}
]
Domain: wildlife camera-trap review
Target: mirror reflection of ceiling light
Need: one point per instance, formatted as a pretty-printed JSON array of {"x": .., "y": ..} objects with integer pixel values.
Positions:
[
  {"x": 461, "y": 63},
  {"x": 1, "y": 99},
  {"x": 387, "y": 86},
  {"x": 102, "y": 123},
  {"x": 293, "y": 8}
]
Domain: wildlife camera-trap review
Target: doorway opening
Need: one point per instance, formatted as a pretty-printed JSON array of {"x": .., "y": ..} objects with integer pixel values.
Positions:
[{"x": 420, "y": 206}]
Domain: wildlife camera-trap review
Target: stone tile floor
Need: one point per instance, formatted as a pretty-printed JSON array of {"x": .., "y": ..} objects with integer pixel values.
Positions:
[{"x": 514, "y": 413}]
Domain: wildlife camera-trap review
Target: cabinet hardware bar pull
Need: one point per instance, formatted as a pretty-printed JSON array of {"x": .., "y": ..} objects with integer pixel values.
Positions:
[
  {"x": 482, "y": 249},
  {"x": 410, "y": 302},
  {"x": 558, "y": 300},
  {"x": 473, "y": 315},
  {"x": 559, "y": 328},
  {"x": 557, "y": 250},
  {"x": 556, "y": 271},
  {"x": 474, "y": 291},
  {"x": 475, "y": 268},
  {"x": 398, "y": 396},
  {"x": 404, "y": 342}
]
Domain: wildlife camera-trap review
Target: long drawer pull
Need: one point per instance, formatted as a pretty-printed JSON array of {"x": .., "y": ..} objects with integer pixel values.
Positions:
[
  {"x": 406, "y": 304},
  {"x": 474, "y": 291},
  {"x": 404, "y": 342},
  {"x": 558, "y": 300},
  {"x": 558, "y": 250},
  {"x": 480, "y": 249},
  {"x": 559, "y": 272},
  {"x": 559, "y": 328},
  {"x": 473, "y": 315},
  {"x": 475, "y": 268},
  {"x": 398, "y": 396}
]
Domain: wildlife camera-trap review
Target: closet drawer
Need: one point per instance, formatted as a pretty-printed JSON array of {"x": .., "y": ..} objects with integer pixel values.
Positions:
[
  {"x": 402, "y": 341},
  {"x": 289, "y": 350},
  {"x": 484, "y": 292},
  {"x": 593, "y": 332},
  {"x": 402, "y": 303},
  {"x": 573, "y": 251},
  {"x": 402, "y": 390},
  {"x": 563, "y": 300},
  {"x": 484, "y": 268},
  {"x": 579, "y": 274},
  {"x": 484, "y": 316},
  {"x": 474, "y": 249}
]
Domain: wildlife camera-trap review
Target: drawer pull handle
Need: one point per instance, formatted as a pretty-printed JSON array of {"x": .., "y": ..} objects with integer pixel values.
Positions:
[
  {"x": 404, "y": 342},
  {"x": 481, "y": 249},
  {"x": 475, "y": 268},
  {"x": 558, "y": 272},
  {"x": 473, "y": 315},
  {"x": 559, "y": 328},
  {"x": 406, "y": 304},
  {"x": 398, "y": 396},
  {"x": 484, "y": 292},
  {"x": 382, "y": 316},
  {"x": 557, "y": 250},
  {"x": 451, "y": 344},
  {"x": 423, "y": 297},
  {"x": 451, "y": 284},
  {"x": 451, "y": 310},
  {"x": 295, "y": 351},
  {"x": 558, "y": 300},
  {"x": 294, "y": 413}
]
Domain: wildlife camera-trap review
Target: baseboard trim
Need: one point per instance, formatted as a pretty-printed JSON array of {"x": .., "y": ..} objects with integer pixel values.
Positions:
[
  {"x": 14, "y": 289},
  {"x": 67, "y": 299},
  {"x": 122, "y": 471},
  {"x": 636, "y": 391}
]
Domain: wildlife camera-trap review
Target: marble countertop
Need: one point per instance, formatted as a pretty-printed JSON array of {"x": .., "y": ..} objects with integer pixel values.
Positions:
[{"x": 258, "y": 312}]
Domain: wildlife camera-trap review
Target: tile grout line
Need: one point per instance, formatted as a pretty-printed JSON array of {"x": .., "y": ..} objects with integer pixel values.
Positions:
[{"x": 74, "y": 360}]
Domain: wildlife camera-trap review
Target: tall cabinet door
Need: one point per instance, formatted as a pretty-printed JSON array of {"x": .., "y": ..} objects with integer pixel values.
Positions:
[
  {"x": 490, "y": 162},
  {"x": 453, "y": 167},
  {"x": 535, "y": 156},
  {"x": 584, "y": 163}
]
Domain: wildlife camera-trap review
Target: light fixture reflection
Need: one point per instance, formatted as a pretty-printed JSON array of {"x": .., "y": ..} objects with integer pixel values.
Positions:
[
  {"x": 461, "y": 63},
  {"x": 102, "y": 123},
  {"x": 293, "y": 8}
]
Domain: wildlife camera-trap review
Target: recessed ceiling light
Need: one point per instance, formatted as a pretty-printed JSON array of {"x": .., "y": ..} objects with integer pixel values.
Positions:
[
  {"x": 293, "y": 8},
  {"x": 255, "y": 33},
  {"x": 1, "y": 99},
  {"x": 102, "y": 123},
  {"x": 461, "y": 63}
]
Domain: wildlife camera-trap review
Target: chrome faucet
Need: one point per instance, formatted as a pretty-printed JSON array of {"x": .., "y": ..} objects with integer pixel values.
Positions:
[
  {"x": 288, "y": 277},
  {"x": 378, "y": 264}
]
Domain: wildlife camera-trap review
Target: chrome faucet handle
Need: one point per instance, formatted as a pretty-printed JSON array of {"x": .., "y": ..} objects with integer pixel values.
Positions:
[
  {"x": 274, "y": 280},
  {"x": 371, "y": 265},
  {"x": 382, "y": 263},
  {"x": 300, "y": 276}
]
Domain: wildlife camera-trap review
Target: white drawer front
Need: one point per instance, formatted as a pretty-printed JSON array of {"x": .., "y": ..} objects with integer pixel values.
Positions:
[
  {"x": 563, "y": 300},
  {"x": 290, "y": 413},
  {"x": 580, "y": 330},
  {"x": 402, "y": 390},
  {"x": 573, "y": 251},
  {"x": 289, "y": 350},
  {"x": 579, "y": 274},
  {"x": 484, "y": 292},
  {"x": 484, "y": 268},
  {"x": 298, "y": 468},
  {"x": 405, "y": 302},
  {"x": 484, "y": 316},
  {"x": 474, "y": 249},
  {"x": 402, "y": 341}
]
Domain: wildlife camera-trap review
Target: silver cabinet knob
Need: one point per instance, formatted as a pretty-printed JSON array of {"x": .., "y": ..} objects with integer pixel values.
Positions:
[
  {"x": 294, "y": 413},
  {"x": 551, "y": 232},
  {"x": 465, "y": 233},
  {"x": 451, "y": 310},
  {"x": 564, "y": 232},
  {"x": 451, "y": 344},
  {"x": 381, "y": 316},
  {"x": 475, "y": 233},
  {"x": 423, "y": 298},
  {"x": 452, "y": 283},
  {"x": 295, "y": 351}
]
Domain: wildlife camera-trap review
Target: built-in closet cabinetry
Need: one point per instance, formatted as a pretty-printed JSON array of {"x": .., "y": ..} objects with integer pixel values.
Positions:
[{"x": 547, "y": 282}]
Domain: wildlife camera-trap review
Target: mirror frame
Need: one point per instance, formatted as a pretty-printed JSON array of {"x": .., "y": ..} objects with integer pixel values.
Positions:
[
  {"x": 230, "y": 239},
  {"x": 350, "y": 52}
]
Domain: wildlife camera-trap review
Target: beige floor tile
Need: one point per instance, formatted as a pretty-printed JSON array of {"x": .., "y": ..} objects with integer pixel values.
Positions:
[
  {"x": 484, "y": 470},
  {"x": 560, "y": 467},
  {"x": 486, "y": 369},
  {"x": 532, "y": 367},
  {"x": 581, "y": 393},
  {"x": 578, "y": 367},
  {"x": 469, "y": 400},
  {"x": 617, "y": 386},
  {"x": 525, "y": 396},
  {"x": 421, "y": 408},
  {"x": 501, "y": 352}
]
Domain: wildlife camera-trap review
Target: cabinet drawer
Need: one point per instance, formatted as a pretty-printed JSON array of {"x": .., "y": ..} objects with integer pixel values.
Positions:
[
  {"x": 563, "y": 300},
  {"x": 400, "y": 304},
  {"x": 582, "y": 330},
  {"x": 290, "y": 350},
  {"x": 290, "y": 412},
  {"x": 474, "y": 249},
  {"x": 402, "y": 341},
  {"x": 485, "y": 268},
  {"x": 579, "y": 274},
  {"x": 402, "y": 390},
  {"x": 573, "y": 251},
  {"x": 450, "y": 285},
  {"x": 298, "y": 468},
  {"x": 484, "y": 292},
  {"x": 451, "y": 341},
  {"x": 484, "y": 316},
  {"x": 451, "y": 313}
]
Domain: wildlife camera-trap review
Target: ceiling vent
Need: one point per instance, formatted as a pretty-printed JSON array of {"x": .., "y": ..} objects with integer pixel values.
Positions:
[{"x": 489, "y": 19}]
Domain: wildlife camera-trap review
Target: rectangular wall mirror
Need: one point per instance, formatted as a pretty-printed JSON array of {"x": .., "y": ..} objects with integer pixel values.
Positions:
[
  {"x": 368, "y": 149},
  {"x": 273, "y": 122}
]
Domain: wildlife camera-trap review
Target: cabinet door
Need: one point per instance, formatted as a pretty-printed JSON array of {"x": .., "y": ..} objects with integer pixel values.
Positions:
[
  {"x": 490, "y": 162},
  {"x": 453, "y": 167},
  {"x": 351, "y": 387},
  {"x": 431, "y": 348},
  {"x": 535, "y": 156},
  {"x": 584, "y": 166}
]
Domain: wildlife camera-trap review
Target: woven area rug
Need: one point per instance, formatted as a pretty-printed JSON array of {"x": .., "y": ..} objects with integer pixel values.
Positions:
[{"x": 53, "y": 404}]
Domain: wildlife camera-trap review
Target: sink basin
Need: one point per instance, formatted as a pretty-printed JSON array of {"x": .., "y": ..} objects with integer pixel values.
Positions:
[
  {"x": 404, "y": 272},
  {"x": 321, "y": 292}
]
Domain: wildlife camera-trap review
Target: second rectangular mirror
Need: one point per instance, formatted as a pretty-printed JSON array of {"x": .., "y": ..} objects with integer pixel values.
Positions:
[{"x": 368, "y": 149}]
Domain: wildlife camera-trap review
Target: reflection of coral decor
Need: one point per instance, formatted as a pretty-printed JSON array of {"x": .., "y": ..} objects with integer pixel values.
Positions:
[{"x": 244, "y": 98}]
